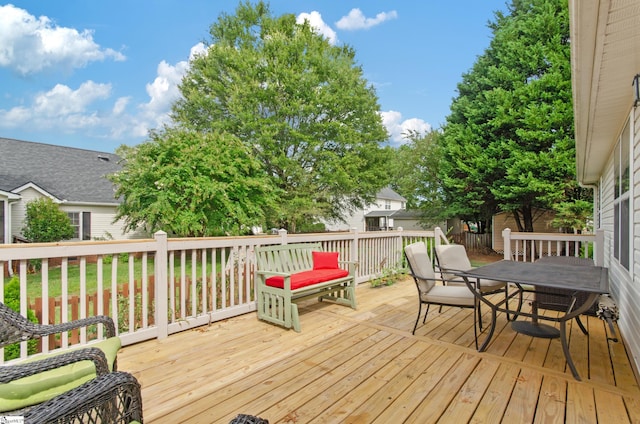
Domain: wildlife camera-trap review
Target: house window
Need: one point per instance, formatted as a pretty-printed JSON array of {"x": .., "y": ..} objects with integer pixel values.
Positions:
[
  {"x": 622, "y": 183},
  {"x": 387, "y": 204},
  {"x": 81, "y": 223}
]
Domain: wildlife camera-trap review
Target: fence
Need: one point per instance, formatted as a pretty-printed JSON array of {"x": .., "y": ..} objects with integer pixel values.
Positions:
[{"x": 472, "y": 242}]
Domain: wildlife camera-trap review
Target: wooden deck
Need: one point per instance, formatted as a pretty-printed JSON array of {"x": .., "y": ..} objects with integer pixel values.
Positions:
[{"x": 364, "y": 366}]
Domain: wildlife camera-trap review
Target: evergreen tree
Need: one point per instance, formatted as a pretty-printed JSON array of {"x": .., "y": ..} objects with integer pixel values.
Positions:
[{"x": 508, "y": 143}]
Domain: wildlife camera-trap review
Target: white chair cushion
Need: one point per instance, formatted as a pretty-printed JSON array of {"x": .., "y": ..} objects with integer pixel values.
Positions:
[{"x": 449, "y": 295}]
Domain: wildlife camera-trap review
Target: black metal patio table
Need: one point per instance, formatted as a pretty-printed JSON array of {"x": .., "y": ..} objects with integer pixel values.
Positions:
[{"x": 581, "y": 280}]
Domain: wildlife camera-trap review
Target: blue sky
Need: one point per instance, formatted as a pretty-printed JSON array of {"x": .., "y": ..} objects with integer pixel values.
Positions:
[{"x": 98, "y": 74}]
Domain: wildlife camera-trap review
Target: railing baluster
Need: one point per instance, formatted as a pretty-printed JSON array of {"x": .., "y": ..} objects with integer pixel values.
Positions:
[
  {"x": 145, "y": 292},
  {"x": 45, "y": 303},
  {"x": 83, "y": 297}
]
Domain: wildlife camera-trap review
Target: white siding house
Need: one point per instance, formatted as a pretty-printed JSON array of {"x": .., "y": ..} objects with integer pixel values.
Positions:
[
  {"x": 379, "y": 213},
  {"x": 605, "y": 62},
  {"x": 73, "y": 178}
]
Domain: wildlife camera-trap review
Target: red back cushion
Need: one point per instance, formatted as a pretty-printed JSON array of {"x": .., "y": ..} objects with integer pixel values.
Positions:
[{"x": 325, "y": 260}]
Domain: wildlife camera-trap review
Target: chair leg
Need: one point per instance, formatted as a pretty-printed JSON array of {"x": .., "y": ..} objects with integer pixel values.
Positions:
[
  {"x": 582, "y": 327},
  {"x": 417, "y": 318},
  {"x": 426, "y": 313},
  {"x": 475, "y": 329}
]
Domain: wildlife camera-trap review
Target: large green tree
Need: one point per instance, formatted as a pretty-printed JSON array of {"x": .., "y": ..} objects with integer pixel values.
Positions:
[
  {"x": 300, "y": 104},
  {"x": 508, "y": 142},
  {"x": 192, "y": 184},
  {"x": 415, "y": 175}
]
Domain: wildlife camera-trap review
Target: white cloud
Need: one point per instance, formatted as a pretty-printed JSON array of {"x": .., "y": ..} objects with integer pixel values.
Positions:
[
  {"x": 120, "y": 106},
  {"x": 356, "y": 20},
  {"x": 88, "y": 107},
  {"x": 163, "y": 91},
  {"x": 197, "y": 50},
  {"x": 62, "y": 100},
  {"x": 29, "y": 45},
  {"x": 315, "y": 20},
  {"x": 60, "y": 108},
  {"x": 399, "y": 129}
]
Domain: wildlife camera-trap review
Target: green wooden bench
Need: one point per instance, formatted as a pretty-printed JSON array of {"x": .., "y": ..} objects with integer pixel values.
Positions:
[{"x": 293, "y": 272}]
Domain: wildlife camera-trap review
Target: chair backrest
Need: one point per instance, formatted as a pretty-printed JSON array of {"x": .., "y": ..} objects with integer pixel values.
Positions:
[
  {"x": 452, "y": 256},
  {"x": 420, "y": 266},
  {"x": 286, "y": 258}
]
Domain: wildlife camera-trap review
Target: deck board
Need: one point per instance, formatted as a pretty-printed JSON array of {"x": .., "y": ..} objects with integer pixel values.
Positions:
[{"x": 365, "y": 366}]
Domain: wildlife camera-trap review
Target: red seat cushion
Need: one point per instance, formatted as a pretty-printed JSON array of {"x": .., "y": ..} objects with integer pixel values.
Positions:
[{"x": 308, "y": 278}]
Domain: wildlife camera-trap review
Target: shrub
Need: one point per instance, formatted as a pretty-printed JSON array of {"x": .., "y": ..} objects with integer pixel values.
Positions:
[
  {"x": 12, "y": 300},
  {"x": 46, "y": 223}
]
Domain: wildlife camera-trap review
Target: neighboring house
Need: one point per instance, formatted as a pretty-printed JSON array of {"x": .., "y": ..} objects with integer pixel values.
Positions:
[
  {"x": 73, "y": 178},
  {"x": 407, "y": 219},
  {"x": 605, "y": 62},
  {"x": 376, "y": 216}
]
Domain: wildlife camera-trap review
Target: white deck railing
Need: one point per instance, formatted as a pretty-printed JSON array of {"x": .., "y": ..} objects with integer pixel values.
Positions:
[
  {"x": 522, "y": 246},
  {"x": 171, "y": 284}
]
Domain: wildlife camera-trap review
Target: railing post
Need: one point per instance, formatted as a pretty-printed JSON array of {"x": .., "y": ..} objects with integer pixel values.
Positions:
[
  {"x": 354, "y": 244},
  {"x": 598, "y": 248},
  {"x": 161, "y": 285},
  {"x": 398, "y": 249},
  {"x": 355, "y": 251},
  {"x": 506, "y": 236},
  {"x": 439, "y": 236},
  {"x": 283, "y": 236}
]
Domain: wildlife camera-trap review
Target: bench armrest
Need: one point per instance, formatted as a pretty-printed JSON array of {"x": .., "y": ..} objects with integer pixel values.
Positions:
[
  {"x": 268, "y": 274},
  {"x": 351, "y": 266}
]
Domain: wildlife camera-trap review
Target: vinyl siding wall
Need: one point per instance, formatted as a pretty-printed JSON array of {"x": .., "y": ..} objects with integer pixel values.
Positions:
[
  {"x": 625, "y": 284},
  {"x": 19, "y": 211},
  {"x": 101, "y": 218}
]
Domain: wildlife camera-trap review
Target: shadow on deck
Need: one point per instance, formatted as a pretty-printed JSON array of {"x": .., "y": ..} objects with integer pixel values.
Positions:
[{"x": 364, "y": 366}]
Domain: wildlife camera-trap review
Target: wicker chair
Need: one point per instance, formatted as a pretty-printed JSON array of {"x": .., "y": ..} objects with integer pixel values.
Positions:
[{"x": 42, "y": 381}]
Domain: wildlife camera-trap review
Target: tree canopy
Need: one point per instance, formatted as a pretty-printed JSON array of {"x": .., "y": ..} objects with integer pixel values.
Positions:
[
  {"x": 414, "y": 175},
  {"x": 192, "y": 184},
  {"x": 300, "y": 106},
  {"x": 508, "y": 143}
]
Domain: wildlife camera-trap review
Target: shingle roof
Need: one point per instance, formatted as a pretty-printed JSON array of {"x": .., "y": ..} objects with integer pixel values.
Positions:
[
  {"x": 71, "y": 174},
  {"x": 388, "y": 193}
]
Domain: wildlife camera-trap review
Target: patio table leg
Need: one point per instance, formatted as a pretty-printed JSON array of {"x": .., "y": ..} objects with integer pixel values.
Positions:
[
  {"x": 591, "y": 299},
  {"x": 491, "y": 330},
  {"x": 565, "y": 349}
]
